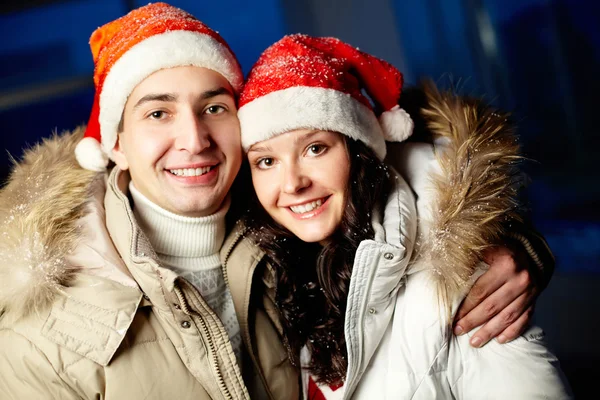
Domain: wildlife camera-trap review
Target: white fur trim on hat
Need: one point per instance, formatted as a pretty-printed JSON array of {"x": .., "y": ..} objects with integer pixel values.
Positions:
[
  {"x": 89, "y": 155},
  {"x": 309, "y": 107},
  {"x": 396, "y": 124},
  {"x": 166, "y": 50}
]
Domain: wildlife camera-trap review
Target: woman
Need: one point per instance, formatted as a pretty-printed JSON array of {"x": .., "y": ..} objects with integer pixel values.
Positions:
[{"x": 367, "y": 275}]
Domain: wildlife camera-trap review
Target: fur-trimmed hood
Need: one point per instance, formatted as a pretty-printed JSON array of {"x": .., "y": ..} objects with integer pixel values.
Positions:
[
  {"x": 40, "y": 207},
  {"x": 405, "y": 288},
  {"x": 466, "y": 188}
]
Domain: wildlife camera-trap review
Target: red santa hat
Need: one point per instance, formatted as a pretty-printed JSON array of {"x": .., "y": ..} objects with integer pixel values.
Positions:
[
  {"x": 128, "y": 50},
  {"x": 319, "y": 83}
]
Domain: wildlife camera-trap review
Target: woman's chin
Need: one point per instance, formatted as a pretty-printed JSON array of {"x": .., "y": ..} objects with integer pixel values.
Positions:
[{"x": 312, "y": 236}]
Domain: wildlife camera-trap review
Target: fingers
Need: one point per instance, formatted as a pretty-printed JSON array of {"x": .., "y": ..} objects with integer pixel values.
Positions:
[
  {"x": 487, "y": 284},
  {"x": 497, "y": 302},
  {"x": 489, "y": 307},
  {"x": 517, "y": 327},
  {"x": 516, "y": 313},
  {"x": 503, "y": 268}
]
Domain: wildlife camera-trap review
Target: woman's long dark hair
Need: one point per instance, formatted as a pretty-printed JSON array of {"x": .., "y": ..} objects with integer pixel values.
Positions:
[{"x": 313, "y": 281}]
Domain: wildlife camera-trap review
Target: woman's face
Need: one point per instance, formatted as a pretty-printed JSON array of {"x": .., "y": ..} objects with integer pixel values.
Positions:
[{"x": 300, "y": 178}]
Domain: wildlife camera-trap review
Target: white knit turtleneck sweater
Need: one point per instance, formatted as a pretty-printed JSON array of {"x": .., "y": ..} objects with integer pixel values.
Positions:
[{"x": 190, "y": 247}]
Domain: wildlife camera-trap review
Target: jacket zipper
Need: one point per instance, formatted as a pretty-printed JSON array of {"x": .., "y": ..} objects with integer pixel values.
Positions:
[
  {"x": 239, "y": 236},
  {"x": 186, "y": 309}
]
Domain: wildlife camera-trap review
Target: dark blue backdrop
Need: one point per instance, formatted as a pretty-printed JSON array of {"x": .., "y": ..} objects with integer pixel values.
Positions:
[{"x": 537, "y": 58}]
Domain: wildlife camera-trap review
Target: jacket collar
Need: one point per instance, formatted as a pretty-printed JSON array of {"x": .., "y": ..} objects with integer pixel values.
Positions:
[
  {"x": 133, "y": 246},
  {"x": 395, "y": 227},
  {"x": 398, "y": 224},
  {"x": 106, "y": 299}
]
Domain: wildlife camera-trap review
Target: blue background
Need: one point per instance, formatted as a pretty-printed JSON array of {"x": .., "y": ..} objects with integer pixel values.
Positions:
[{"x": 537, "y": 58}]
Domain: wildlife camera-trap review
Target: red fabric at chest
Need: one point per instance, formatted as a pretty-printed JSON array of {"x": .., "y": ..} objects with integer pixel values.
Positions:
[{"x": 314, "y": 393}]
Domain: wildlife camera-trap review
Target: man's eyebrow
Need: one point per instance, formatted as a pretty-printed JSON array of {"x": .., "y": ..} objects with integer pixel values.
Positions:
[
  {"x": 169, "y": 97},
  {"x": 215, "y": 92},
  {"x": 155, "y": 97}
]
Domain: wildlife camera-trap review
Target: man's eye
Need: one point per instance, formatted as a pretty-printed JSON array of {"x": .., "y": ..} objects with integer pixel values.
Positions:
[
  {"x": 215, "y": 110},
  {"x": 157, "y": 114}
]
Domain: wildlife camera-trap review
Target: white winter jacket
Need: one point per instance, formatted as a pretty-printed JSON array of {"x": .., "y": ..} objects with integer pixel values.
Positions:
[
  {"x": 399, "y": 343},
  {"x": 403, "y": 292}
]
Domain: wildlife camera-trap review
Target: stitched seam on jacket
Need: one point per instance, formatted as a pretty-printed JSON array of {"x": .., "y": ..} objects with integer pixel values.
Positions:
[
  {"x": 53, "y": 329},
  {"x": 463, "y": 364},
  {"x": 356, "y": 307},
  {"x": 403, "y": 229},
  {"x": 401, "y": 236},
  {"x": 150, "y": 341},
  {"x": 104, "y": 310},
  {"x": 67, "y": 366},
  {"x": 426, "y": 374},
  {"x": 75, "y": 339},
  {"x": 112, "y": 328}
]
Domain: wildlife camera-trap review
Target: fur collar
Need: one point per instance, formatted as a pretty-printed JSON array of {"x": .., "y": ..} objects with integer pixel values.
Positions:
[
  {"x": 474, "y": 186},
  {"x": 40, "y": 206}
]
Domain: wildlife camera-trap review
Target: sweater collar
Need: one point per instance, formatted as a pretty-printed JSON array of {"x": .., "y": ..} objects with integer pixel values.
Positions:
[{"x": 175, "y": 235}]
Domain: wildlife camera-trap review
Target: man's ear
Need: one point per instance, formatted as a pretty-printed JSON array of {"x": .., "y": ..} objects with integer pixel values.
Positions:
[{"x": 118, "y": 155}]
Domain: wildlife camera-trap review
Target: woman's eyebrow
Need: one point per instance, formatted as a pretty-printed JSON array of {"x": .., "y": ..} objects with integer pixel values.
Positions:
[
  {"x": 259, "y": 149},
  {"x": 307, "y": 136}
]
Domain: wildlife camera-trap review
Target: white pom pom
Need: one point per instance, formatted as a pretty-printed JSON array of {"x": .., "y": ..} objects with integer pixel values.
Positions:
[
  {"x": 396, "y": 124},
  {"x": 90, "y": 155}
]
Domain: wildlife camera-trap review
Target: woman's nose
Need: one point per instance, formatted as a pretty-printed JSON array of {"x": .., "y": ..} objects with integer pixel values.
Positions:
[{"x": 294, "y": 179}]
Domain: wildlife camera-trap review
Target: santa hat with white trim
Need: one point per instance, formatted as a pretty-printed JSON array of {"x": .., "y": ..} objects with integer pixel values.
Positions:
[
  {"x": 319, "y": 83},
  {"x": 128, "y": 50}
]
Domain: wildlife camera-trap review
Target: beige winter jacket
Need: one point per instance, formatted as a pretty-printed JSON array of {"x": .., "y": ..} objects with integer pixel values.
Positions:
[{"x": 88, "y": 312}]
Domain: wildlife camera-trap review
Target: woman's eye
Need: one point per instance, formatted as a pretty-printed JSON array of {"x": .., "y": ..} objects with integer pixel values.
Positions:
[
  {"x": 215, "y": 110},
  {"x": 316, "y": 149},
  {"x": 265, "y": 163}
]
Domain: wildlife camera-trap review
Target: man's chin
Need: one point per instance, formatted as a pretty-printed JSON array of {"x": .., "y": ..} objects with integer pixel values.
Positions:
[{"x": 196, "y": 209}]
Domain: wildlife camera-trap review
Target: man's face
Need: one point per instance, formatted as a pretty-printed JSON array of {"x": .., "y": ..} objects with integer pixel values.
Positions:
[{"x": 181, "y": 140}]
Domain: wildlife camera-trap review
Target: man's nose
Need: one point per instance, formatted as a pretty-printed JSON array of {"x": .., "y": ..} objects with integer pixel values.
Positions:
[
  {"x": 193, "y": 135},
  {"x": 294, "y": 179}
]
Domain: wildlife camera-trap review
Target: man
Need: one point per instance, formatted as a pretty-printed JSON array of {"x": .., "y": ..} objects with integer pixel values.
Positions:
[
  {"x": 112, "y": 301},
  {"x": 114, "y": 283}
]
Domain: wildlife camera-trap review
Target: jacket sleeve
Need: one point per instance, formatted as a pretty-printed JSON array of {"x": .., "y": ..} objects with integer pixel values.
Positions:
[
  {"x": 533, "y": 244},
  {"x": 25, "y": 372},
  {"x": 523, "y": 369}
]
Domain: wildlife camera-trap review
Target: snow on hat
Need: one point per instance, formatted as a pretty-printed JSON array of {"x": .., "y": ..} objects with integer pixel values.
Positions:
[
  {"x": 309, "y": 82},
  {"x": 128, "y": 50}
]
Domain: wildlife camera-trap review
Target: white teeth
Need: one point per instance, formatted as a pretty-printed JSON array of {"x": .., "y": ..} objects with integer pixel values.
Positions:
[
  {"x": 190, "y": 171},
  {"x": 304, "y": 208}
]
